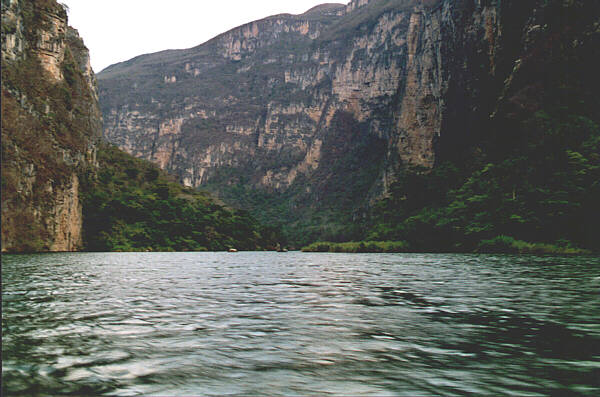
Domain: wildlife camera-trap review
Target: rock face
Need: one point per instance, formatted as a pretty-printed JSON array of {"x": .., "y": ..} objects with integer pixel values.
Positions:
[
  {"x": 50, "y": 123},
  {"x": 323, "y": 108}
]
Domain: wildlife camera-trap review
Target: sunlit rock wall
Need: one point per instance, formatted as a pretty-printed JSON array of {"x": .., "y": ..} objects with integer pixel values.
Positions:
[{"x": 45, "y": 145}]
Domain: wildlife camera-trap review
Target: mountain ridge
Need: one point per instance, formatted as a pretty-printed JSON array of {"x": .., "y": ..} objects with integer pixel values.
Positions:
[{"x": 315, "y": 11}]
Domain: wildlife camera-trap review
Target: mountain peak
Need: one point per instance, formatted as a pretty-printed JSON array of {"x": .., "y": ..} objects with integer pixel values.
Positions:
[{"x": 325, "y": 9}]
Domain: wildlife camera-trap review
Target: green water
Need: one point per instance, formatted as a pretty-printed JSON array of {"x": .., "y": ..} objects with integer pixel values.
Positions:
[{"x": 299, "y": 324}]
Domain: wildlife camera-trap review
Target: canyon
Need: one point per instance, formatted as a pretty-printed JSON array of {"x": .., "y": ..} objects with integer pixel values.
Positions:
[
  {"x": 374, "y": 118},
  {"x": 318, "y": 114}
]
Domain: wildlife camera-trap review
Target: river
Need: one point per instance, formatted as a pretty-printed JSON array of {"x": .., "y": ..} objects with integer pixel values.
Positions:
[{"x": 256, "y": 323}]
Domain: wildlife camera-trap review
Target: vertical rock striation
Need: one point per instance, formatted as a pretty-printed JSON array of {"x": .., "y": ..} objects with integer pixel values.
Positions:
[{"x": 50, "y": 123}]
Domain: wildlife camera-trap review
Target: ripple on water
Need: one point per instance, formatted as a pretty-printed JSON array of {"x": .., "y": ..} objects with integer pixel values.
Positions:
[{"x": 267, "y": 323}]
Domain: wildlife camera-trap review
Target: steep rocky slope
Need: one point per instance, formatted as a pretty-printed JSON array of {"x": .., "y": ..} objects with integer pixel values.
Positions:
[
  {"x": 50, "y": 124},
  {"x": 308, "y": 118}
]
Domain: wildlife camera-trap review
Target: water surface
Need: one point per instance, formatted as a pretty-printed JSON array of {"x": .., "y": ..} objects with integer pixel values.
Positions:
[{"x": 299, "y": 323}]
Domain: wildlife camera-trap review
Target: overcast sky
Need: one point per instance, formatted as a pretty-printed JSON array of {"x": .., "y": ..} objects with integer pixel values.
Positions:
[{"x": 118, "y": 30}]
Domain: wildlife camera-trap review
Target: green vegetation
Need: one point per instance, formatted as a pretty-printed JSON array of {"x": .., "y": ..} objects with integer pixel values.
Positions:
[
  {"x": 330, "y": 209},
  {"x": 356, "y": 247},
  {"x": 130, "y": 205},
  {"x": 506, "y": 244},
  {"x": 547, "y": 190}
]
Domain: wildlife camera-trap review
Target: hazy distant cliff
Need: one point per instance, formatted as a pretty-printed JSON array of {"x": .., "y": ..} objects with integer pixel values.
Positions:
[
  {"x": 50, "y": 123},
  {"x": 327, "y": 107}
]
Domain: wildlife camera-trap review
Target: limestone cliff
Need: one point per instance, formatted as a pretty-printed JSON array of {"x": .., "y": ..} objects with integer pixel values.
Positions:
[
  {"x": 50, "y": 123},
  {"x": 324, "y": 108}
]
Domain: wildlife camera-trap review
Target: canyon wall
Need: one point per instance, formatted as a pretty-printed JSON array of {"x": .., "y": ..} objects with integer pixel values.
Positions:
[
  {"x": 50, "y": 123},
  {"x": 262, "y": 97},
  {"x": 326, "y": 108}
]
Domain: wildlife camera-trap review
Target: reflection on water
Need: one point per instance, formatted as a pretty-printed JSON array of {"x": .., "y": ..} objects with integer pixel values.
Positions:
[{"x": 294, "y": 323}]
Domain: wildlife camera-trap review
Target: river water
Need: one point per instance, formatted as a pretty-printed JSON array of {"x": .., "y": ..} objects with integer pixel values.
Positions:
[{"x": 298, "y": 323}]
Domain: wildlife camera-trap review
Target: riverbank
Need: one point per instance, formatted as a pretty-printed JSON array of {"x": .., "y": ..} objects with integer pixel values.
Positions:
[
  {"x": 496, "y": 245},
  {"x": 359, "y": 247}
]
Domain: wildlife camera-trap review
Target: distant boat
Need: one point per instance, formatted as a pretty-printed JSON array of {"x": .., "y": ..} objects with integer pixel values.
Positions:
[{"x": 232, "y": 250}]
